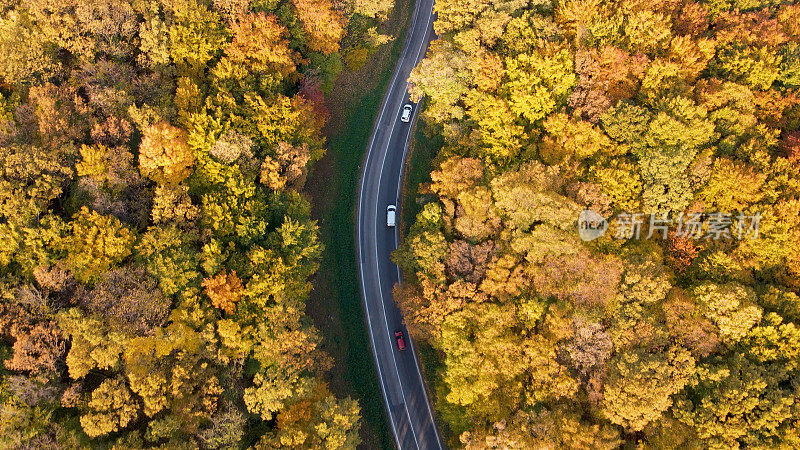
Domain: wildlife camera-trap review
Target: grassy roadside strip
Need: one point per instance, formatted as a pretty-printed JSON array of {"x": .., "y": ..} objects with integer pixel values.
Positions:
[
  {"x": 422, "y": 154},
  {"x": 423, "y": 149},
  {"x": 335, "y": 303}
]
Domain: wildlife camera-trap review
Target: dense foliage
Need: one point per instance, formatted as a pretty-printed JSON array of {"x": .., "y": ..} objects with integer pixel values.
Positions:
[
  {"x": 622, "y": 106},
  {"x": 154, "y": 247}
]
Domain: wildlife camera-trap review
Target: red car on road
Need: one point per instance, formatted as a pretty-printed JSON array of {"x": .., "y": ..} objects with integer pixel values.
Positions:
[{"x": 401, "y": 342}]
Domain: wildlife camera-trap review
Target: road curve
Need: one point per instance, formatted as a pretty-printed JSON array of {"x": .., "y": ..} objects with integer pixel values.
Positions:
[{"x": 404, "y": 394}]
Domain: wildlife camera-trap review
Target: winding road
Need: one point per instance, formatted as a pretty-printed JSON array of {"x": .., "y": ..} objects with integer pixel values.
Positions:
[{"x": 404, "y": 392}]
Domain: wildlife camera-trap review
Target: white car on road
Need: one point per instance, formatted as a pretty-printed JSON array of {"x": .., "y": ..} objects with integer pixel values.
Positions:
[
  {"x": 391, "y": 211},
  {"x": 406, "y": 116}
]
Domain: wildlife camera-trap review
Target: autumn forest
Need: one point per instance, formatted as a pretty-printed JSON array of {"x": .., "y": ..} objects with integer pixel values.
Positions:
[
  {"x": 155, "y": 249},
  {"x": 669, "y": 108}
]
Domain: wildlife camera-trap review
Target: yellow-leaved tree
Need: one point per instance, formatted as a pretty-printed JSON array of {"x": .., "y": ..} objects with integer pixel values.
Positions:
[
  {"x": 98, "y": 243},
  {"x": 164, "y": 155}
]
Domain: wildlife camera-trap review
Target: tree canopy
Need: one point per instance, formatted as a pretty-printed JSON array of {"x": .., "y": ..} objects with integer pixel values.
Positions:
[
  {"x": 676, "y": 109},
  {"x": 155, "y": 244}
]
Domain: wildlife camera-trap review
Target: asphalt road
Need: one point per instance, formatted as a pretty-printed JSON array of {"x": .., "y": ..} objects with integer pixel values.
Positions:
[{"x": 404, "y": 393}]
